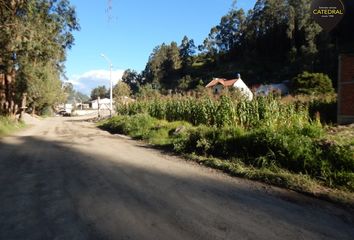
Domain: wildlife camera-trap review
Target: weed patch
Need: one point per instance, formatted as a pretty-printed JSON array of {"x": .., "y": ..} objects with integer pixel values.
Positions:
[{"x": 8, "y": 125}]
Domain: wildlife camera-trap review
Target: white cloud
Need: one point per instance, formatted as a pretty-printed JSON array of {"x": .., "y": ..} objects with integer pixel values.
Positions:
[{"x": 86, "y": 81}]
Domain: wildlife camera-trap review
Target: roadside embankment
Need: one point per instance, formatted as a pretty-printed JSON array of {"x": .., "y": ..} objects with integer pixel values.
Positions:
[{"x": 305, "y": 159}]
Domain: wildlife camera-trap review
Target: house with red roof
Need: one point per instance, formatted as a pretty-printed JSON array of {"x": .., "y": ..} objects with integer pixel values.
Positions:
[{"x": 219, "y": 84}]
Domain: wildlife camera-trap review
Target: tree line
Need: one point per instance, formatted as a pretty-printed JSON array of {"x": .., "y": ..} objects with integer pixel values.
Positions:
[
  {"x": 274, "y": 41},
  {"x": 34, "y": 37}
]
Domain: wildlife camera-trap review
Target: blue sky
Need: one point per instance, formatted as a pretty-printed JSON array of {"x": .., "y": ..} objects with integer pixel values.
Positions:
[{"x": 130, "y": 31}]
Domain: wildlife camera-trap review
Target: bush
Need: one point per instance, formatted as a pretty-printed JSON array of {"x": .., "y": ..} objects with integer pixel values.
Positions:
[
  {"x": 312, "y": 83},
  {"x": 296, "y": 150},
  {"x": 142, "y": 126},
  {"x": 47, "y": 111},
  {"x": 283, "y": 149},
  {"x": 115, "y": 125}
]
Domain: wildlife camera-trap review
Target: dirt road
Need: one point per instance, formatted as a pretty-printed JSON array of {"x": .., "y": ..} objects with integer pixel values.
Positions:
[{"x": 65, "y": 179}]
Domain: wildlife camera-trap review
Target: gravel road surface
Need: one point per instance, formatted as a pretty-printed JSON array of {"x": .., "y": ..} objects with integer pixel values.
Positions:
[{"x": 65, "y": 179}]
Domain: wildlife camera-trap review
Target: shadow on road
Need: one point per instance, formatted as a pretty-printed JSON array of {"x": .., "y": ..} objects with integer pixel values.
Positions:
[{"x": 50, "y": 190}]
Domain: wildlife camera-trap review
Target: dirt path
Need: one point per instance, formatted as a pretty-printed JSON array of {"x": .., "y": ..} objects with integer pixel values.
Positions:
[{"x": 65, "y": 179}]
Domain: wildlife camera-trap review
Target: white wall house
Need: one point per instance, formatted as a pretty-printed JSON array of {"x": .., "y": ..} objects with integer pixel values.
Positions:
[
  {"x": 103, "y": 103},
  {"x": 218, "y": 84},
  {"x": 68, "y": 107},
  {"x": 281, "y": 88},
  {"x": 239, "y": 84}
]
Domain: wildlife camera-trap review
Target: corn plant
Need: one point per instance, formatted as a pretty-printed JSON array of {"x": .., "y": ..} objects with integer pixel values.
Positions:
[{"x": 267, "y": 112}]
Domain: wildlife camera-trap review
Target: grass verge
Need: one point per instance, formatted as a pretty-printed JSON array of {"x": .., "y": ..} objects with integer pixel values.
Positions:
[
  {"x": 8, "y": 125},
  {"x": 302, "y": 158},
  {"x": 278, "y": 177}
]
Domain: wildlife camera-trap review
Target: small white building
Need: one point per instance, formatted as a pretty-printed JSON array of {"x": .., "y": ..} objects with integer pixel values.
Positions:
[
  {"x": 68, "y": 107},
  {"x": 218, "y": 84},
  {"x": 280, "y": 88},
  {"x": 103, "y": 104}
]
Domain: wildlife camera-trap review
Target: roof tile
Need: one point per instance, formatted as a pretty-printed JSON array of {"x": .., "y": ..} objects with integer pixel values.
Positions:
[{"x": 222, "y": 81}]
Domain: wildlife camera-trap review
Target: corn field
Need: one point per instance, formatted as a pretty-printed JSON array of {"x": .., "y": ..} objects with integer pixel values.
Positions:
[{"x": 225, "y": 111}]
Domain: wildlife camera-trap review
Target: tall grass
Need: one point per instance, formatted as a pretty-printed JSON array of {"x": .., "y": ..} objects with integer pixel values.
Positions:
[
  {"x": 8, "y": 125},
  {"x": 225, "y": 111},
  {"x": 322, "y": 106}
]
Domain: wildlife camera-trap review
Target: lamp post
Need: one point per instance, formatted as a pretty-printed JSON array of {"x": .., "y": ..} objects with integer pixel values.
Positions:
[{"x": 110, "y": 79}]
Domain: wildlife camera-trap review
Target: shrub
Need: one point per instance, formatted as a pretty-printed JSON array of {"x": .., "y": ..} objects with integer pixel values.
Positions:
[
  {"x": 116, "y": 124},
  {"x": 283, "y": 149},
  {"x": 138, "y": 126},
  {"x": 47, "y": 111},
  {"x": 312, "y": 83},
  {"x": 164, "y": 132}
]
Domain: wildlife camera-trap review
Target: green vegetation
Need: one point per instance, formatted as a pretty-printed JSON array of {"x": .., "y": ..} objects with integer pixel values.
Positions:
[
  {"x": 225, "y": 111},
  {"x": 273, "y": 42},
  {"x": 275, "y": 142},
  {"x": 121, "y": 89},
  {"x": 100, "y": 91},
  {"x": 8, "y": 125},
  {"x": 320, "y": 106},
  {"x": 34, "y": 37},
  {"x": 312, "y": 83},
  {"x": 278, "y": 177}
]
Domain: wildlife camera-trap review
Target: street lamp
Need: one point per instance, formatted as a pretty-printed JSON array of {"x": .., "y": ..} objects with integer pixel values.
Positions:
[{"x": 110, "y": 79}]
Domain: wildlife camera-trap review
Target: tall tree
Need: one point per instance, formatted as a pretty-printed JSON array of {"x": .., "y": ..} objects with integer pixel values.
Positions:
[
  {"x": 81, "y": 96},
  {"x": 68, "y": 88},
  {"x": 281, "y": 38},
  {"x": 162, "y": 69},
  {"x": 72, "y": 95},
  {"x": 35, "y": 35},
  {"x": 100, "y": 91},
  {"x": 186, "y": 52},
  {"x": 121, "y": 89},
  {"x": 303, "y": 33},
  {"x": 133, "y": 79},
  {"x": 227, "y": 34},
  {"x": 274, "y": 41}
]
